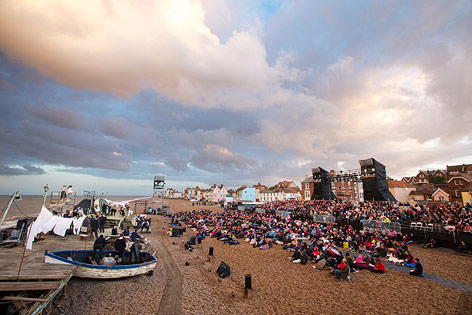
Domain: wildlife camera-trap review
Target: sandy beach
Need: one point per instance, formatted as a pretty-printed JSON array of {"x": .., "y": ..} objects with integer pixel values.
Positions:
[{"x": 279, "y": 286}]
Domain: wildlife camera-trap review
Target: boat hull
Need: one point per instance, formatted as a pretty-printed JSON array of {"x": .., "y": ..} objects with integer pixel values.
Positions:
[{"x": 103, "y": 272}]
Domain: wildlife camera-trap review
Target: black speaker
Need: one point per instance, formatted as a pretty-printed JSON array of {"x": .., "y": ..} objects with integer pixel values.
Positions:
[
  {"x": 177, "y": 231},
  {"x": 374, "y": 181},
  {"x": 321, "y": 185},
  {"x": 223, "y": 270}
]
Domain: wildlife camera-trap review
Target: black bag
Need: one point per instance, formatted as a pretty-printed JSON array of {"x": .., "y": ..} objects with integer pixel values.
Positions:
[{"x": 223, "y": 270}]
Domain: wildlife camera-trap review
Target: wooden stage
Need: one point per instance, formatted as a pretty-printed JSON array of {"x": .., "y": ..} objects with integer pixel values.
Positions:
[{"x": 37, "y": 284}]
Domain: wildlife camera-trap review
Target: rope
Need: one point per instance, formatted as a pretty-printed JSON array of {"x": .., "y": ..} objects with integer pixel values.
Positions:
[{"x": 20, "y": 210}]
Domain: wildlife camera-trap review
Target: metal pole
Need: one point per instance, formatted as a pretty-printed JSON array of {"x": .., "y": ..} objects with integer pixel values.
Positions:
[
  {"x": 12, "y": 199},
  {"x": 46, "y": 188}
]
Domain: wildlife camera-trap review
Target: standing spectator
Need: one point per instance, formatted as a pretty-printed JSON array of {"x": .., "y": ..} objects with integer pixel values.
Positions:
[
  {"x": 69, "y": 193},
  {"x": 101, "y": 223},
  {"x": 94, "y": 227},
  {"x": 120, "y": 247},
  {"x": 63, "y": 193},
  {"x": 98, "y": 246}
]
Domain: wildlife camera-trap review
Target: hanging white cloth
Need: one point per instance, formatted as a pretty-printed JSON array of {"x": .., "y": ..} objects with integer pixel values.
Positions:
[
  {"x": 48, "y": 220},
  {"x": 77, "y": 222},
  {"x": 62, "y": 225},
  {"x": 36, "y": 227}
]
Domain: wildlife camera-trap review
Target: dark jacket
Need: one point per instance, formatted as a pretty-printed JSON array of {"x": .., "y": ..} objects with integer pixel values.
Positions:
[
  {"x": 94, "y": 224},
  {"x": 101, "y": 221},
  {"x": 120, "y": 245},
  {"x": 100, "y": 242}
]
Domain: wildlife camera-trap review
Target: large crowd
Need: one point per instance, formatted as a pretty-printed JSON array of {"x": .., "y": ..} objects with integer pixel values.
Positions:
[
  {"x": 340, "y": 248},
  {"x": 447, "y": 214}
]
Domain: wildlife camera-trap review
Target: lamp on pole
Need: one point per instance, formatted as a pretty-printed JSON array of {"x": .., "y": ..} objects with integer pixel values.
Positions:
[{"x": 46, "y": 188}]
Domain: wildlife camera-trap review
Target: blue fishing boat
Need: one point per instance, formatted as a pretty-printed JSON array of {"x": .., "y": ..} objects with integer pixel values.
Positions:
[{"x": 87, "y": 268}]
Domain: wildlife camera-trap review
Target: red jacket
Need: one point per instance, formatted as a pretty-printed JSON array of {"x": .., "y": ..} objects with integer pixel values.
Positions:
[{"x": 380, "y": 266}]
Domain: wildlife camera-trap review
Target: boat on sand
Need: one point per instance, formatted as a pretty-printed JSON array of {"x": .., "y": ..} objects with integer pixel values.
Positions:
[{"x": 87, "y": 268}]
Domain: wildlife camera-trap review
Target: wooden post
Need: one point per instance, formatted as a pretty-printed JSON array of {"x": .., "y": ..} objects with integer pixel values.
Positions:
[
  {"x": 248, "y": 286},
  {"x": 210, "y": 253}
]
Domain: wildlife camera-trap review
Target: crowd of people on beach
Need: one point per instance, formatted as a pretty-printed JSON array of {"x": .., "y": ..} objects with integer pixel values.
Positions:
[
  {"x": 449, "y": 214},
  {"x": 342, "y": 249}
]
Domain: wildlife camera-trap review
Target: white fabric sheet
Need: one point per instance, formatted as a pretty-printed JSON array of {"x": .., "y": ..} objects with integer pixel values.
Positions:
[{"x": 62, "y": 225}]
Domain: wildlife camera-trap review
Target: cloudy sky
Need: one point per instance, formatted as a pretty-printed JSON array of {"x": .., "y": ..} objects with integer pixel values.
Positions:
[{"x": 104, "y": 95}]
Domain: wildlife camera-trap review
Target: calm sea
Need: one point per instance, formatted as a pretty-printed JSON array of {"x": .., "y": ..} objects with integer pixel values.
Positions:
[{"x": 31, "y": 205}]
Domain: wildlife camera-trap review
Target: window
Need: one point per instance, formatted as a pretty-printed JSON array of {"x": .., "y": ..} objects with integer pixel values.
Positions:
[
  {"x": 458, "y": 194},
  {"x": 460, "y": 181},
  {"x": 307, "y": 194},
  {"x": 307, "y": 186},
  {"x": 456, "y": 182}
]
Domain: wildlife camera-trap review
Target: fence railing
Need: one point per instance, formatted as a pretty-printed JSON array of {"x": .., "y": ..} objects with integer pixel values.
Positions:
[
  {"x": 282, "y": 213},
  {"x": 260, "y": 210},
  {"x": 324, "y": 218},
  {"x": 381, "y": 225}
]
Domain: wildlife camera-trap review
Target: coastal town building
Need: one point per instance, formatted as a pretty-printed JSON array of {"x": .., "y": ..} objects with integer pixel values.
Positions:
[
  {"x": 421, "y": 194},
  {"x": 248, "y": 194},
  {"x": 441, "y": 195},
  {"x": 400, "y": 190},
  {"x": 173, "y": 194},
  {"x": 453, "y": 170},
  {"x": 219, "y": 193},
  {"x": 307, "y": 187},
  {"x": 259, "y": 187},
  {"x": 457, "y": 183},
  {"x": 347, "y": 185},
  {"x": 271, "y": 195}
]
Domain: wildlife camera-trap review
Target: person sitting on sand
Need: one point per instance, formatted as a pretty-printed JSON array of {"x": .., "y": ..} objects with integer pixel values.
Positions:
[
  {"x": 361, "y": 262},
  {"x": 296, "y": 257},
  {"x": 431, "y": 244},
  {"x": 462, "y": 248},
  {"x": 379, "y": 267},
  {"x": 418, "y": 271},
  {"x": 342, "y": 270}
]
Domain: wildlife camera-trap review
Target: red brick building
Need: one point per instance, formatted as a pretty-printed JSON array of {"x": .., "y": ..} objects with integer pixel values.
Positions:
[{"x": 307, "y": 188}]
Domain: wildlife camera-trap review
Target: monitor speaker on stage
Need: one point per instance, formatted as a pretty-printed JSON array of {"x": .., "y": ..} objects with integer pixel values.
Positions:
[
  {"x": 374, "y": 181},
  {"x": 322, "y": 185}
]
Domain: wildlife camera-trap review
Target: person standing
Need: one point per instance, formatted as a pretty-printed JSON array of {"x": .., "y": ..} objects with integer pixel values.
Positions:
[
  {"x": 63, "y": 193},
  {"x": 94, "y": 227},
  {"x": 101, "y": 223},
  {"x": 120, "y": 247},
  {"x": 98, "y": 246},
  {"x": 69, "y": 193}
]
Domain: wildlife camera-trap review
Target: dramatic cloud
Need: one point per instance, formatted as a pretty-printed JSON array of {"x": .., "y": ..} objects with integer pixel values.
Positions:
[
  {"x": 234, "y": 91},
  {"x": 23, "y": 170},
  {"x": 121, "y": 48}
]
